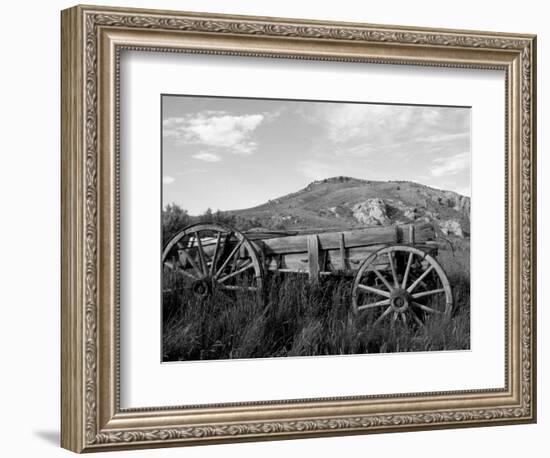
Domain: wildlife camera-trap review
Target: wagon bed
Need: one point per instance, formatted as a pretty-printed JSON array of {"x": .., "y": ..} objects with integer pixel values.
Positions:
[
  {"x": 394, "y": 268},
  {"x": 325, "y": 251}
]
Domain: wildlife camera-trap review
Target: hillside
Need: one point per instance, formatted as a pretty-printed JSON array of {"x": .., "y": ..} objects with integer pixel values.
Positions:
[{"x": 350, "y": 202}]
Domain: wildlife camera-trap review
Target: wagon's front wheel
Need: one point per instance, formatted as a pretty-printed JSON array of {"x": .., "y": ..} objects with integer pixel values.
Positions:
[
  {"x": 401, "y": 284},
  {"x": 208, "y": 257}
]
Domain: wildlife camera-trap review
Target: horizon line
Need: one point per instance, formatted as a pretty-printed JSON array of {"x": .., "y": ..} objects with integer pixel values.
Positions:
[{"x": 310, "y": 183}]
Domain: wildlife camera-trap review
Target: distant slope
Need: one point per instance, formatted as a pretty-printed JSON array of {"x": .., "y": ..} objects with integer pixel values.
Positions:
[{"x": 349, "y": 202}]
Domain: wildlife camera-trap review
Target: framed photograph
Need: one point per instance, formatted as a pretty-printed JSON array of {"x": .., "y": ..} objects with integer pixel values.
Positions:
[{"x": 277, "y": 228}]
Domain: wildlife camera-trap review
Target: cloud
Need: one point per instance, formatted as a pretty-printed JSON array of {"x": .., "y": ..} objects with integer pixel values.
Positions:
[
  {"x": 219, "y": 130},
  {"x": 207, "y": 157},
  {"x": 367, "y": 130},
  {"x": 166, "y": 179},
  {"x": 359, "y": 121},
  {"x": 451, "y": 165}
]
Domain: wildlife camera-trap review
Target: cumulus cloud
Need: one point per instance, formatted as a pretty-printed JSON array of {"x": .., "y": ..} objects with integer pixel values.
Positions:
[
  {"x": 207, "y": 157},
  {"x": 359, "y": 121},
  {"x": 219, "y": 130},
  {"x": 363, "y": 130},
  {"x": 166, "y": 179}
]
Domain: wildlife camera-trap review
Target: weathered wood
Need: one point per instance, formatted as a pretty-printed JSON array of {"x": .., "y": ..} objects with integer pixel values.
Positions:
[
  {"x": 337, "y": 251},
  {"x": 299, "y": 262},
  {"x": 354, "y": 238},
  {"x": 342, "y": 251},
  {"x": 263, "y": 233},
  {"x": 411, "y": 234},
  {"x": 328, "y": 241},
  {"x": 313, "y": 257},
  {"x": 294, "y": 262}
]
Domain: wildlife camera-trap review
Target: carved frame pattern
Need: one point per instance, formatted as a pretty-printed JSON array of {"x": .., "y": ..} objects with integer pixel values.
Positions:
[{"x": 91, "y": 21}]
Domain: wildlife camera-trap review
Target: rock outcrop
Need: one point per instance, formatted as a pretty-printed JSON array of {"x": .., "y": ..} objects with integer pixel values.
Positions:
[
  {"x": 451, "y": 227},
  {"x": 349, "y": 202},
  {"x": 410, "y": 213},
  {"x": 371, "y": 212}
]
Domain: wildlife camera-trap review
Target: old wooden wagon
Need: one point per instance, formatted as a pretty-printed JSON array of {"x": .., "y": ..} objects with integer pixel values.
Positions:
[{"x": 393, "y": 270}]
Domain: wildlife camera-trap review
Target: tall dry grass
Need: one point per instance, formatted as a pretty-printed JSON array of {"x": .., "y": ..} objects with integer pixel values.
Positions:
[{"x": 299, "y": 319}]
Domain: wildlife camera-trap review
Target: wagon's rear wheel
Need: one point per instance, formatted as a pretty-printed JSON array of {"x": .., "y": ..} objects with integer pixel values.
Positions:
[
  {"x": 209, "y": 257},
  {"x": 401, "y": 284}
]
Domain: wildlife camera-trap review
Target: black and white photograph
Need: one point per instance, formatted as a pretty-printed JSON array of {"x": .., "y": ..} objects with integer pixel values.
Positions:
[{"x": 313, "y": 228}]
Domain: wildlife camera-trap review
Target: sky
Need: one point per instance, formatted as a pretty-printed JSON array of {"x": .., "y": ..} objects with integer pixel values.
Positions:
[{"x": 233, "y": 153}]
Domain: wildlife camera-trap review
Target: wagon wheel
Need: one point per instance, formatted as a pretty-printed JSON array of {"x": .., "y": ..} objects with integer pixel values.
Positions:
[
  {"x": 209, "y": 257},
  {"x": 401, "y": 284}
]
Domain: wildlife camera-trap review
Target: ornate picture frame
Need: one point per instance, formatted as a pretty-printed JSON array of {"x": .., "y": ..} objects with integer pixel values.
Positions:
[{"x": 92, "y": 41}]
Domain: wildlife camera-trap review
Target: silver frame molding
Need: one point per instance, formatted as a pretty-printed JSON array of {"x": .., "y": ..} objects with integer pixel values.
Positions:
[{"x": 92, "y": 39}]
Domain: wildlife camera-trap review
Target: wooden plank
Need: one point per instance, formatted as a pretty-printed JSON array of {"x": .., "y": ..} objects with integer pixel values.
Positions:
[
  {"x": 354, "y": 257},
  {"x": 261, "y": 233},
  {"x": 331, "y": 240},
  {"x": 343, "y": 251},
  {"x": 313, "y": 257},
  {"x": 294, "y": 262},
  {"x": 298, "y": 262},
  {"x": 353, "y": 243},
  {"x": 294, "y": 242}
]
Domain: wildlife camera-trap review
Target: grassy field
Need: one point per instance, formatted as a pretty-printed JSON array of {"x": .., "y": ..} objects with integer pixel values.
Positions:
[{"x": 302, "y": 320}]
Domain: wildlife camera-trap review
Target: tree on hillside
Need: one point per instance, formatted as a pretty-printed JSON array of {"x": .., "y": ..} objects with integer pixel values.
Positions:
[{"x": 174, "y": 219}]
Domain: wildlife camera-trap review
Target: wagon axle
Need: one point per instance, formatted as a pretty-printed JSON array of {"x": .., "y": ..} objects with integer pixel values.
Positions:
[
  {"x": 202, "y": 288},
  {"x": 399, "y": 300},
  {"x": 401, "y": 281}
]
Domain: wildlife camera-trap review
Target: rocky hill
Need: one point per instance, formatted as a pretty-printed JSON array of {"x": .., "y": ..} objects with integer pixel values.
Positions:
[{"x": 349, "y": 202}]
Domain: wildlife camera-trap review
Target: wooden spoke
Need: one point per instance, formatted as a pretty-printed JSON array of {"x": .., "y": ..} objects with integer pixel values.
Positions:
[
  {"x": 428, "y": 293},
  {"x": 188, "y": 258},
  {"x": 187, "y": 274},
  {"x": 407, "y": 270},
  {"x": 374, "y": 304},
  {"x": 393, "y": 273},
  {"x": 239, "y": 288},
  {"x": 370, "y": 289},
  {"x": 418, "y": 320},
  {"x": 382, "y": 279},
  {"x": 202, "y": 259},
  {"x": 411, "y": 288},
  {"x": 237, "y": 272},
  {"x": 381, "y": 317},
  {"x": 425, "y": 308},
  {"x": 173, "y": 266},
  {"x": 233, "y": 252},
  {"x": 205, "y": 252},
  {"x": 215, "y": 255},
  {"x": 234, "y": 265}
]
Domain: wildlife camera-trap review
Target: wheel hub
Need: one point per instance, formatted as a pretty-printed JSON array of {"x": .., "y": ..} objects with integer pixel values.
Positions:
[
  {"x": 399, "y": 300},
  {"x": 201, "y": 288}
]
